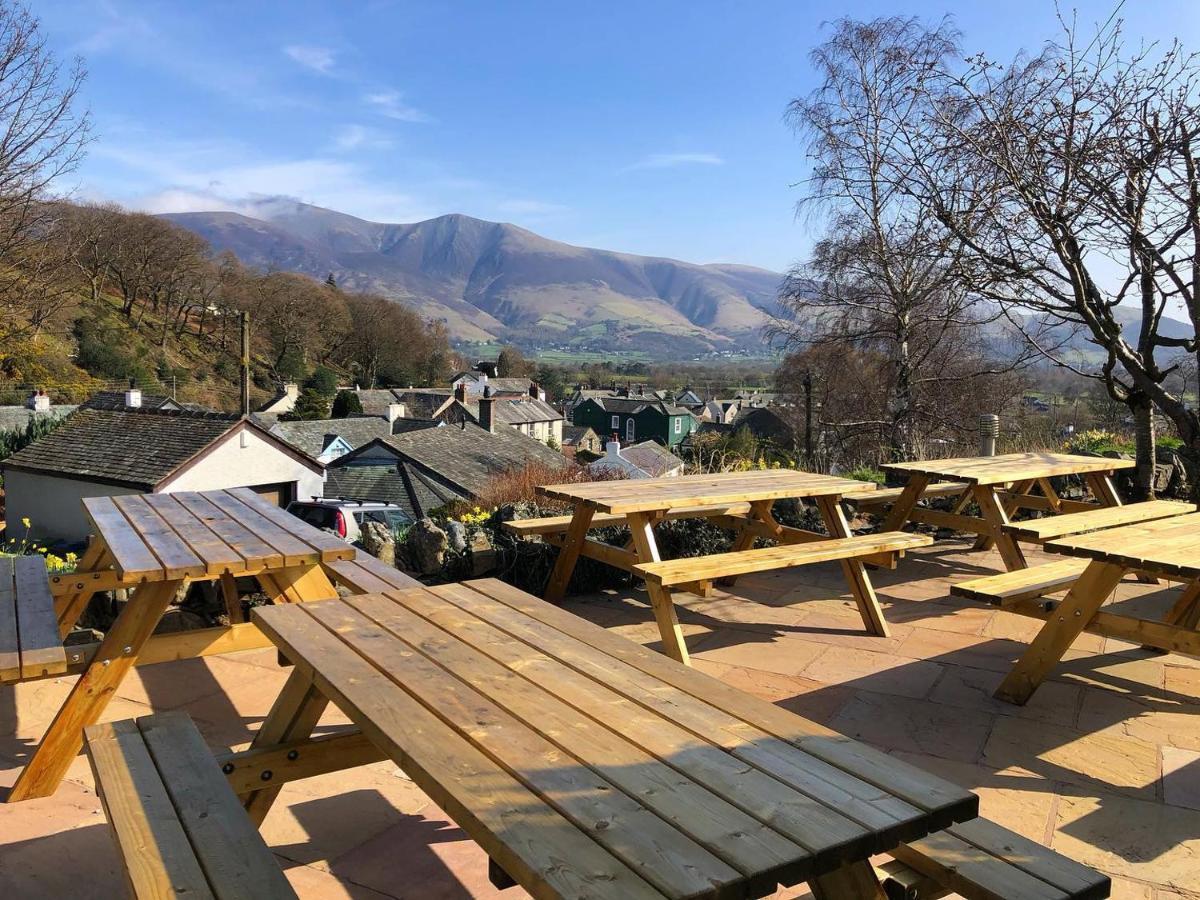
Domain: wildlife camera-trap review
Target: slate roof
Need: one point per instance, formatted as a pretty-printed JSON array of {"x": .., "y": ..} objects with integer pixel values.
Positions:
[
  {"x": 400, "y": 483},
  {"x": 498, "y": 385},
  {"x": 516, "y": 411},
  {"x": 419, "y": 403},
  {"x": 15, "y": 418},
  {"x": 462, "y": 457},
  {"x": 652, "y": 458},
  {"x": 313, "y": 436},
  {"x": 633, "y": 405},
  {"x": 133, "y": 447},
  {"x": 573, "y": 434},
  {"x": 116, "y": 400}
]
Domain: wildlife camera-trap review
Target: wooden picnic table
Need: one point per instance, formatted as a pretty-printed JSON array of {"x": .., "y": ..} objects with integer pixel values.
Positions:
[
  {"x": 584, "y": 764},
  {"x": 1000, "y": 486},
  {"x": 1168, "y": 548},
  {"x": 741, "y": 501},
  {"x": 153, "y": 544}
]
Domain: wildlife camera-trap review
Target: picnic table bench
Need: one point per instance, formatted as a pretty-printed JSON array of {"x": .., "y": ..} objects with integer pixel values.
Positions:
[
  {"x": 586, "y": 765},
  {"x": 154, "y": 544},
  {"x": 1095, "y": 563},
  {"x": 739, "y": 501},
  {"x": 30, "y": 646},
  {"x": 177, "y": 824}
]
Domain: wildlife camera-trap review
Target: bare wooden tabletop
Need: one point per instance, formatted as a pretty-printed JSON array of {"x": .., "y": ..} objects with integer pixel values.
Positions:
[
  {"x": 1165, "y": 546},
  {"x": 1009, "y": 467},
  {"x": 585, "y": 764},
  {"x": 647, "y": 494}
]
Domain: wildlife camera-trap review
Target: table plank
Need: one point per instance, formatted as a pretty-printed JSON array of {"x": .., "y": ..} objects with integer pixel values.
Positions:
[
  {"x": 254, "y": 550},
  {"x": 556, "y": 859},
  {"x": 219, "y": 558},
  {"x": 10, "y": 645},
  {"x": 678, "y": 855},
  {"x": 295, "y": 552},
  {"x": 1165, "y": 546},
  {"x": 798, "y": 795},
  {"x": 646, "y": 495},
  {"x": 132, "y": 559},
  {"x": 947, "y": 802},
  {"x": 177, "y": 558},
  {"x": 42, "y": 650},
  {"x": 991, "y": 470},
  {"x": 329, "y": 546}
]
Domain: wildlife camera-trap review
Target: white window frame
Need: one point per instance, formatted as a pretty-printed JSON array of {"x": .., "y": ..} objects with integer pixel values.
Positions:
[
  {"x": 678, "y": 425},
  {"x": 616, "y": 423},
  {"x": 630, "y": 431}
]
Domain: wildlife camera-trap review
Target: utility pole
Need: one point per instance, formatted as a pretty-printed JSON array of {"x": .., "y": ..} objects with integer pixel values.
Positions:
[{"x": 245, "y": 317}]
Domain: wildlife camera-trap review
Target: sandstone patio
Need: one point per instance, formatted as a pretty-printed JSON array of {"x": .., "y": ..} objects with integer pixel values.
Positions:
[{"x": 1103, "y": 764}]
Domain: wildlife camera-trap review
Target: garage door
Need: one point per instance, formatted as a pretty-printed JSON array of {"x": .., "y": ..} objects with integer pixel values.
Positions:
[{"x": 281, "y": 493}]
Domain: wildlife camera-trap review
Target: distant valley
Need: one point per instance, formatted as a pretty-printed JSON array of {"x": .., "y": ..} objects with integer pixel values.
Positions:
[{"x": 496, "y": 282}]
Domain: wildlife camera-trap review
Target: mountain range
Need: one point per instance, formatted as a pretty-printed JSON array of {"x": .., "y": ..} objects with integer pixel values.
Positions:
[{"x": 490, "y": 281}]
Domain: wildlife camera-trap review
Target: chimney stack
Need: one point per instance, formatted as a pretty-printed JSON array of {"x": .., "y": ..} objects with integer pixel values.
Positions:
[
  {"x": 395, "y": 411},
  {"x": 133, "y": 397},
  {"x": 460, "y": 392},
  {"x": 485, "y": 410},
  {"x": 39, "y": 401}
]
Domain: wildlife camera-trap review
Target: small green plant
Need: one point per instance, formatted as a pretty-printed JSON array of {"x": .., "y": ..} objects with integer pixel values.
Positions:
[
  {"x": 1097, "y": 440},
  {"x": 866, "y": 473},
  {"x": 27, "y": 546}
]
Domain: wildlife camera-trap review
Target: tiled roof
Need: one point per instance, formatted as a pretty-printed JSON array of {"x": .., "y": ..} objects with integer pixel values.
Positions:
[
  {"x": 631, "y": 405},
  {"x": 116, "y": 400},
  {"x": 14, "y": 418},
  {"x": 419, "y": 403},
  {"x": 313, "y": 436},
  {"x": 466, "y": 457},
  {"x": 516, "y": 411},
  {"x": 573, "y": 434},
  {"x": 398, "y": 483},
  {"x": 135, "y": 447},
  {"x": 652, "y": 457}
]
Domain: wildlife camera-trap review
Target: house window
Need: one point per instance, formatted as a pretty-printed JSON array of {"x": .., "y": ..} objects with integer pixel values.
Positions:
[
  {"x": 678, "y": 425},
  {"x": 616, "y": 423},
  {"x": 629, "y": 431}
]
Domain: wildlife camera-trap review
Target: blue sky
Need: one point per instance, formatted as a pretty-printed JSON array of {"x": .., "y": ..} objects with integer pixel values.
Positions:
[{"x": 650, "y": 127}]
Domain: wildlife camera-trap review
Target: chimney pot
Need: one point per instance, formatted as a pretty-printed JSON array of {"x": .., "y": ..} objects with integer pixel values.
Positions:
[
  {"x": 460, "y": 392},
  {"x": 133, "y": 398}
]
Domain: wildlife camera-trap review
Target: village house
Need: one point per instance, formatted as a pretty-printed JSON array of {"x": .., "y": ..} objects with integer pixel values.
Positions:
[
  {"x": 422, "y": 470},
  {"x": 649, "y": 459},
  {"x": 636, "y": 418},
  {"x": 526, "y": 413},
  {"x": 108, "y": 452},
  {"x": 476, "y": 382},
  {"x": 327, "y": 439},
  {"x": 283, "y": 401},
  {"x": 15, "y": 418},
  {"x": 577, "y": 438}
]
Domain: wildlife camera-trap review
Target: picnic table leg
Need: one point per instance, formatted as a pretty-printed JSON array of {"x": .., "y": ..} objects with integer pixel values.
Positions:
[
  {"x": 298, "y": 584},
  {"x": 760, "y": 511},
  {"x": 642, "y": 528},
  {"x": 294, "y": 715},
  {"x": 568, "y": 554},
  {"x": 855, "y": 881},
  {"x": 69, "y": 607},
  {"x": 854, "y": 569},
  {"x": 231, "y": 599},
  {"x": 903, "y": 507},
  {"x": 1186, "y": 611},
  {"x": 1063, "y": 625},
  {"x": 1010, "y": 505},
  {"x": 997, "y": 517},
  {"x": 1050, "y": 494},
  {"x": 85, "y": 704},
  {"x": 1105, "y": 492}
]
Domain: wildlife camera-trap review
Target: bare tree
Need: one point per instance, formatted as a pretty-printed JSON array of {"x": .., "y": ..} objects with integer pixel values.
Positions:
[
  {"x": 1071, "y": 180},
  {"x": 886, "y": 280}
]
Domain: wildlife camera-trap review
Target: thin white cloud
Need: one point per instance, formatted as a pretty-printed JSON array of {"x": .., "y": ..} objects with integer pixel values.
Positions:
[
  {"x": 359, "y": 137},
  {"x": 319, "y": 59},
  {"x": 118, "y": 29},
  {"x": 675, "y": 160},
  {"x": 392, "y": 105}
]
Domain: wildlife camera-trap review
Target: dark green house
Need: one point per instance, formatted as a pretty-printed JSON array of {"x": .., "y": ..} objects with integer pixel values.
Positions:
[{"x": 634, "y": 419}]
